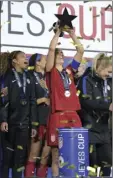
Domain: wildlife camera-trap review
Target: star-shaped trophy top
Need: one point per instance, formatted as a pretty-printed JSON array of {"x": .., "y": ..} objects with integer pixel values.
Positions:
[{"x": 66, "y": 19}]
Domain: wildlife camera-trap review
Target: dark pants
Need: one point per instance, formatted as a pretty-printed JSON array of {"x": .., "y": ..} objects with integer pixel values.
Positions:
[
  {"x": 15, "y": 146},
  {"x": 102, "y": 152}
]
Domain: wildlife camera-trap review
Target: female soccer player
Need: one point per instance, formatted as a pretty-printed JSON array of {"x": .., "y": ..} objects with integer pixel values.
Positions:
[
  {"x": 4, "y": 65},
  {"x": 64, "y": 99},
  {"x": 19, "y": 113},
  {"x": 37, "y": 62},
  {"x": 96, "y": 98}
]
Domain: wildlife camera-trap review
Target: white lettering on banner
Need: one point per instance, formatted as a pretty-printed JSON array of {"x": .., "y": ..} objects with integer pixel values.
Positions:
[
  {"x": 31, "y": 20},
  {"x": 81, "y": 141},
  {"x": 81, "y": 155}
]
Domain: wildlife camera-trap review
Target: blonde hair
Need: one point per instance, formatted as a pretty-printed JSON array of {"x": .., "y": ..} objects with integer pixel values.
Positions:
[{"x": 103, "y": 60}]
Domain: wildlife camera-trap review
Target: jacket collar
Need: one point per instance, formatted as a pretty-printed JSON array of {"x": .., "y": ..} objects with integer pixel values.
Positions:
[{"x": 94, "y": 75}]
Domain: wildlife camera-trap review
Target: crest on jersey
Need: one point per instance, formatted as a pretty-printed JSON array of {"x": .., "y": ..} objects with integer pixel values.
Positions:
[
  {"x": 108, "y": 87},
  {"x": 28, "y": 81},
  {"x": 53, "y": 138}
]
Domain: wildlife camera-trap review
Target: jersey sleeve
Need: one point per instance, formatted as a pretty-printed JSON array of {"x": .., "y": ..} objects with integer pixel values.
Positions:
[{"x": 75, "y": 64}]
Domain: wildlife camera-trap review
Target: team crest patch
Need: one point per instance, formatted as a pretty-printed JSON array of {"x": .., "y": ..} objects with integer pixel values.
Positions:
[
  {"x": 60, "y": 142},
  {"x": 53, "y": 138},
  {"x": 28, "y": 81},
  {"x": 108, "y": 87}
]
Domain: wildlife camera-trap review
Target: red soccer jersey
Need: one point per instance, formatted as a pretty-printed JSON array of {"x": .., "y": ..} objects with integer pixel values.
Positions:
[{"x": 59, "y": 101}]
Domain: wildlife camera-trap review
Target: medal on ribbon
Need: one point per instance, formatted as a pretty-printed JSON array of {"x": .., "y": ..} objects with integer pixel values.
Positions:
[
  {"x": 22, "y": 87},
  {"x": 42, "y": 83},
  {"x": 105, "y": 92},
  {"x": 66, "y": 82}
]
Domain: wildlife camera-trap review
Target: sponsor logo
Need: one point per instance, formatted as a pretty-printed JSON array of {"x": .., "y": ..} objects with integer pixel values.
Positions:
[{"x": 13, "y": 81}]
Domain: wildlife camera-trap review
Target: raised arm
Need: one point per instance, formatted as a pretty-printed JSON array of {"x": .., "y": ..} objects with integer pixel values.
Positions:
[
  {"x": 79, "y": 47},
  {"x": 51, "y": 53}
]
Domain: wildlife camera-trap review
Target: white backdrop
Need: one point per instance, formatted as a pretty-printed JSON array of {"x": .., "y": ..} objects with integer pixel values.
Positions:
[{"x": 45, "y": 12}]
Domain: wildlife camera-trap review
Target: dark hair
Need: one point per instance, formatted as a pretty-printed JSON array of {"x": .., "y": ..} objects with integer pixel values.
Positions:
[
  {"x": 56, "y": 52},
  {"x": 4, "y": 63},
  {"x": 32, "y": 60},
  {"x": 13, "y": 55}
]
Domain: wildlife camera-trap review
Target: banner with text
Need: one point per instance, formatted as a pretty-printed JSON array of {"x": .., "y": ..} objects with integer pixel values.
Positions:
[{"x": 26, "y": 24}]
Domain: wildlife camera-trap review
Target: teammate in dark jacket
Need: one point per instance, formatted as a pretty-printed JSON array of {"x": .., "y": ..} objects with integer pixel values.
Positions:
[
  {"x": 4, "y": 65},
  {"x": 110, "y": 116},
  {"x": 19, "y": 115},
  {"x": 96, "y": 105},
  {"x": 38, "y": 62}
]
